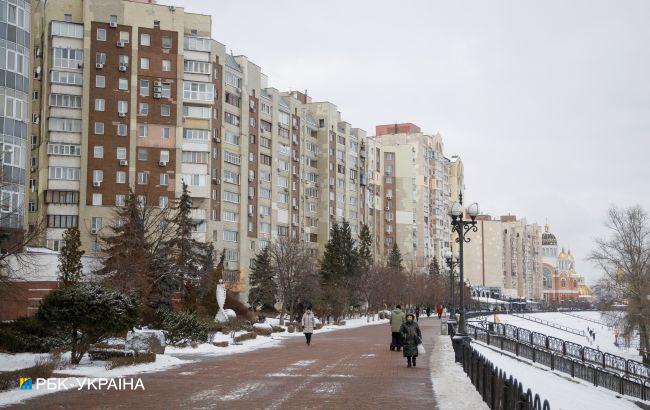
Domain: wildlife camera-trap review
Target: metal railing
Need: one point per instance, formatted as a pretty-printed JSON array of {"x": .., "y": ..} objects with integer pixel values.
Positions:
[
  {"x": 560, "y": 355},
  {"x": 497, "y": 389},
  {"x": 575, "y": 350},
  {"x": 585, "y": 318},
  {"x": 550, "y": 324}
]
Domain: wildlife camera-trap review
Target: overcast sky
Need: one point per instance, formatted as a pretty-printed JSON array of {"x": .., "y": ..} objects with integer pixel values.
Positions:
[{"x": 547, "y": 103}]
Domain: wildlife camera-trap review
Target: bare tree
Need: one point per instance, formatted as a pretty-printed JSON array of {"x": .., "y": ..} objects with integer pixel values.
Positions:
[
  {"x": 624, "y": 258},
  {"x": 295, "y": 271}
]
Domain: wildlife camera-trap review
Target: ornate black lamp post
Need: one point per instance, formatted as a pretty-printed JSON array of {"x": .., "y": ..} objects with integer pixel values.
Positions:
[
  {"x": 462, "y": 227},
  {"x": 452, "y": 262}
]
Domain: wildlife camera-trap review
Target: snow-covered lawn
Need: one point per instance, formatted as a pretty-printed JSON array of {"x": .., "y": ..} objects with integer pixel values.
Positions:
[
  {"x": 604, "y": 335},
  {"x": 560, "y": 390},
  {"x": 9, "y": 362}
]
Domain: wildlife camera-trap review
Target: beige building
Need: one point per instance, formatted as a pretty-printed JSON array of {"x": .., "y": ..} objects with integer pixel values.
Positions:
[
  {"x": 505, "y": 253},
  {"x": 409, "y": 193}
]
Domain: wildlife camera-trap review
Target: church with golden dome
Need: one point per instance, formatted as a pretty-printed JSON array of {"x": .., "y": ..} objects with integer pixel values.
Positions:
[{"x": 561, "y": 283}]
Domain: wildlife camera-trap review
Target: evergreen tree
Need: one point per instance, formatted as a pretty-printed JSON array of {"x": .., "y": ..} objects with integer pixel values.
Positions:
[
  {"x": 434, "y": 267},
  {"x": 395, "y": 259},
  {"x": 263, "y": 287},
  {"x": 339, "y": 269},
  {"x": 365, "y": 247},
  {"x": 209, "y": 281},
  {"x": 70, "y": 267},
  {"x": 186, "y": 253},
  {"x": 137, "y": 259}
]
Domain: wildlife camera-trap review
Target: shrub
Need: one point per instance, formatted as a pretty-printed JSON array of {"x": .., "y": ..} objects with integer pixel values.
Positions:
[
  {"x": 86, "y": 314},
  {"x": 242, "y": 311},
  {"x": 28, "y": 334},
  {"x": 182, "y": 328},
  {"x": 114, "y": 362}
]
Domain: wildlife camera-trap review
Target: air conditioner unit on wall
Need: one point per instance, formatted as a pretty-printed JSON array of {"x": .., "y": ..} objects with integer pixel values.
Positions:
[
  {"x": 120, "y": 43},
  {"x": 94, "y": 231},
  {"x": 112, "y": 24},
  {"x": 162, "y": 163},
  {"x": 97, "y": 183},
  {"x": 123, "y": 67},
  {"x": 124, "y": 162},
  {"x": 99, "y": 65}
]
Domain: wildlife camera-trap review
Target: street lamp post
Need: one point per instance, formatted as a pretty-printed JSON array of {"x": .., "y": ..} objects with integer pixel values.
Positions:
[
  {"x": 452, "y": 262},
  {"x": 462, "y": 227}
]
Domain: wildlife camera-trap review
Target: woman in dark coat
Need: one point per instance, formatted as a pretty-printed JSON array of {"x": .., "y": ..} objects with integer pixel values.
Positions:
[{"x": 411, "y": 338}]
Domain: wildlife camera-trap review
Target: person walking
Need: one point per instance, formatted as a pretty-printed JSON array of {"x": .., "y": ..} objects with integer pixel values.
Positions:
[
  {"x": 411, "y": 338},
  {"x": 308, "y": 324},
  {"x": 428, "y": 311},
  {"x": 439, "y": 310},
  {"x": 396, "y": 320},
  {"x": 417, "y": 313}
]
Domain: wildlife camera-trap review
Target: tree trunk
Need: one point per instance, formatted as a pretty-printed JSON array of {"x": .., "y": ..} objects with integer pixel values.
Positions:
[{"x": 282, "y": 311}]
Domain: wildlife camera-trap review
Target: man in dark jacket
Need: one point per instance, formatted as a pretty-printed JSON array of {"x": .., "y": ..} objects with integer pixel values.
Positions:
[
  {"x": 411, "y": 338},
  {"x": 396, "y": 320}
]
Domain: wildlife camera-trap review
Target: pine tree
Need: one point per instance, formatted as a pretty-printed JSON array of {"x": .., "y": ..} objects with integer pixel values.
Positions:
[
  {"x": 70, "y": 267},
  {"x": 395, "y": 259},
  {"x": 185, "y": 252},
  {"x": 263, "y": 287},
  {"x": 434, "y": 267},
  {"x": 365, "y": 247}
]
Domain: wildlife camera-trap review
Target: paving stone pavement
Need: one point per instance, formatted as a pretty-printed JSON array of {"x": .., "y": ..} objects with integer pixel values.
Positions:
[{"x": 343, "y": 369}]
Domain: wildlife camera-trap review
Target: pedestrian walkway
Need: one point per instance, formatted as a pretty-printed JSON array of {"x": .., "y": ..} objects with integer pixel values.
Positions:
[{"x": 340, "y": 370}]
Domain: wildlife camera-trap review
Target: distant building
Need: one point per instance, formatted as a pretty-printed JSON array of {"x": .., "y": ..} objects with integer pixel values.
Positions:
[
  {"x": 505, "y": 253},
  {"x": 561, "y": 282}
]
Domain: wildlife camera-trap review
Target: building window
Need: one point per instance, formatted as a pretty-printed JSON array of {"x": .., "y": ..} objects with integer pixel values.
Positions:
[
  {"x": 144, "y": 63},
  {"x": 100, "y": 81},
  {"x": 120, "y": 177},
  {"x": 98, "y": 151},
  {"x": 99, "y": 128},
  {"x": 145, "y": 39},
  {"x": 166, "y": 42},
  {"x": 143, "y": 109},
  {"x": 165, "y": 110},
  {"x": 97, "y": 199},
  {"x": 123, "y": 84},
  {"x": 164, "y": 133},
  {"x": 230, "y": 236},
  {"x": 164, "y": 179},
  {"x": 101, "y": 34},
  {"x": 142, "y": 154},
  {"x": 121, "y": 153},
  {"x": 143, "y": 178},
  {"x": 163, "y": 201},
  {"x": 166, "y": 65},
  {"x": 120, "y": 200},
  {"x": 100, "y": 104},
  {"x": 144, "y": 88}
]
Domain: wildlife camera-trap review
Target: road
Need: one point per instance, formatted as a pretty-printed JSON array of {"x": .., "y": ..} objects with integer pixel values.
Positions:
[{"x": 343, "y": 369}]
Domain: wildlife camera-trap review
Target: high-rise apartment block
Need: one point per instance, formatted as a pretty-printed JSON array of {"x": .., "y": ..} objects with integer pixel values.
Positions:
[
  {"x": 506, "y": 253},
  {"x": 410, "y": 176},
  {"x": 136, "y": 96}
]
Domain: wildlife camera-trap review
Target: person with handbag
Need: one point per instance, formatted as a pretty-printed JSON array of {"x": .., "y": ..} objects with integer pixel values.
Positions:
[{"x": 411, "y": 338}]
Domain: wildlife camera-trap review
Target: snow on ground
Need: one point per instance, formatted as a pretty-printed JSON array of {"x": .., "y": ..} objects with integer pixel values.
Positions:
[
  {"x": 604, "y": 335},
  {"x": 96, "y": 369},
  {"x": 561, "y": 391},
  {"x": 9, "y": 362},
  {"x": 452, "y": 388}
]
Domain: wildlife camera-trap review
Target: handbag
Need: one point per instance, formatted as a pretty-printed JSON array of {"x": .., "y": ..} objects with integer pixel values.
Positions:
[{"x": 421, "y": 349}]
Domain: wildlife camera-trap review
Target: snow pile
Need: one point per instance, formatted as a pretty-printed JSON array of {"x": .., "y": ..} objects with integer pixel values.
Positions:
[
  {"x": 263, "y": 326},
  {"x": 9, "y": 362},
  {"x": 146, "y": 341},
  {"x": 452, "y": 388}
]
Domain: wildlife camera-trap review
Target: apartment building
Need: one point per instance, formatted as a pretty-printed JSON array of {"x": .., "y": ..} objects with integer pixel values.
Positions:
[
  {"x": 506, "y": 253},
  {"x": 15, "y": 74},
  {"x": 410, "y": 193}
]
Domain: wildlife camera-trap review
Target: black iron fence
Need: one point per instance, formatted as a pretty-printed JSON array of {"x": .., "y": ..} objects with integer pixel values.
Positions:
[
  {"x": 497, "y": 389},
  {"x": 583, "y": 353},
  {"x": 561, "y": 355}
]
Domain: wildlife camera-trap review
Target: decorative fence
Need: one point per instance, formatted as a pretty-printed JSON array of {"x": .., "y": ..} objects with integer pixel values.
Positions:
[
  {"x": 568, "y": 357},
  {"x": 495, "y": 387},
  {"x": 575, "y": 350}
]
